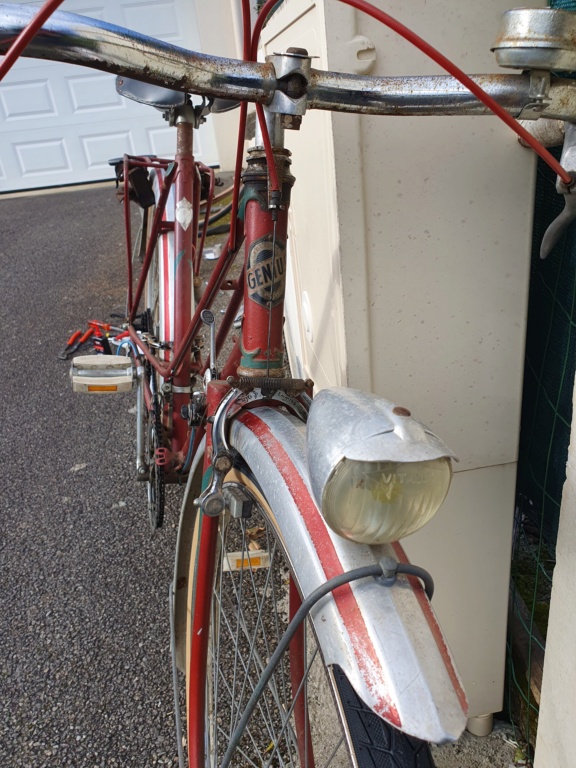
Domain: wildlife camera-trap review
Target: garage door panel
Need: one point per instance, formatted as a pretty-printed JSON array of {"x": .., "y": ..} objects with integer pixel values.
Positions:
[
  {"x": 60, "y": 124},
  {"x": 37, "y": 158},
  {"x": 161, "y": 141},
  {"x": 65, "y": 95},
  {"x": 27, "y": 99},
  {"x": 91, "y": 93},
  {"x": 157, "y": 19},
  {"x": 98, "y": 148}
]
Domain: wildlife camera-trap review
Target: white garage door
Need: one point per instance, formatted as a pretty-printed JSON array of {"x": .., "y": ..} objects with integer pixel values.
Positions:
[{"x": 61, "y": 124}]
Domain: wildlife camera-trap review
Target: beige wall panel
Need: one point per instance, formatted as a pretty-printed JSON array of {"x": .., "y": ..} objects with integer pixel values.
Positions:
[
  {"x": 556, "y": 739},
  {"x": 470, "y": 567}
]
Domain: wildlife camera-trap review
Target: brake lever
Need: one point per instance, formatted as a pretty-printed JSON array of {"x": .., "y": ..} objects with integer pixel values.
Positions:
[{"x": 561, "y": 223}]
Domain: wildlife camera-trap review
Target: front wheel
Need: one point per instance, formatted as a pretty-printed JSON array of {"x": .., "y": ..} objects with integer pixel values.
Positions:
[{"x": 309, "y": 714}]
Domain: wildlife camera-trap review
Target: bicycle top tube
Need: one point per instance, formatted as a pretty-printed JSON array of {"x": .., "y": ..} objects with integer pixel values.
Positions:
[{"x": 93, "y": 43}]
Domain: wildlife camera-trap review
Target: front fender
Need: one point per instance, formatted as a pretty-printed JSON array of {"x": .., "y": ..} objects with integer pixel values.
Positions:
[{"x": 386, "y": 639}]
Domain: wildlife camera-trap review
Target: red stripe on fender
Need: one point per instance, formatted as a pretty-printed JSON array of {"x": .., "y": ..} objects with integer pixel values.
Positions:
[
  {"x": 344, "y": 598},
  {"x": 426, "y": 608}
]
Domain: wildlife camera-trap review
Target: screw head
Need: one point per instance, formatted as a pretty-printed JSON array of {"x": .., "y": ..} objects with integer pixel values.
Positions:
[{"x": 293, "y": 51}]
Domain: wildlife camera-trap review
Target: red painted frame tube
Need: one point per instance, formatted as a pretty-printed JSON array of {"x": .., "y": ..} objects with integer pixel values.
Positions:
[
  {"x": 262, "y": 329},
  {"x": 155, "y": 231},
  {"x": 187, "y": 193},
  {"x": 214, "y": 284}
]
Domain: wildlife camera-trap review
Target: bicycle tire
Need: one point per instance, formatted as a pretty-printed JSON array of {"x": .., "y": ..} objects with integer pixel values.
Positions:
[{"x": 342, "y": 730}]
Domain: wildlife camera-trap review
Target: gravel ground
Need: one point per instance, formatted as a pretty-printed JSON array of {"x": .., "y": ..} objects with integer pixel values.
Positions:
[
  {"x": 84, "y": 638},
  {"x": 84, "y": 641},
  {"x": 498, "y": 750}
]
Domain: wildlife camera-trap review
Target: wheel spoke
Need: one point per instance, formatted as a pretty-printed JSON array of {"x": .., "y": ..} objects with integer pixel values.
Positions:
[{"x": 259, "y": 664}]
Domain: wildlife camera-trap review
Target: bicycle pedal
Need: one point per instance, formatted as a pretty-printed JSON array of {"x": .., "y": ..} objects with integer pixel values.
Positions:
[
  {"x": 102, "y": 374},
  {"x": 238, "y": 561}
]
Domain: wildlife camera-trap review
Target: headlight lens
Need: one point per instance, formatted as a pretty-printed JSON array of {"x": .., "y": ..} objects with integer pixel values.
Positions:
[{"x": 379, "y": 502}]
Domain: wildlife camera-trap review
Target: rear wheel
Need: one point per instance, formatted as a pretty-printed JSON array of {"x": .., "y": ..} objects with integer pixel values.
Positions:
[
  {"x": 159, "y": 327},
  {"x": 309, "y": 714}
]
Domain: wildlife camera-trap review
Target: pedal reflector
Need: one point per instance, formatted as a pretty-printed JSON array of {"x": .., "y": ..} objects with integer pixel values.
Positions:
[
  {"x": 102, "y": 374},
  {"x": 237, "y": 561}
]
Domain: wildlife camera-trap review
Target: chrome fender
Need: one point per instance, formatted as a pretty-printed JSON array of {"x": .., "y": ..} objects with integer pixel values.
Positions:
[{"x": 386, "y": 639}]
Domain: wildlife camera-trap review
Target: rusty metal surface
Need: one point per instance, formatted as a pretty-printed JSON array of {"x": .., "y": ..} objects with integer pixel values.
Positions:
[
  {"x": 93, "y": 43},
  {"x": 426, "y": 95},
  {"x": 433, "y": 95},
  {"x": 75, "y": 39},
  {"x": 537, "y": 38}
]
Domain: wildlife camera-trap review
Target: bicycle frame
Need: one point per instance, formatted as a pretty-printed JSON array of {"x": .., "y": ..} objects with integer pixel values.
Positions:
[
  {"x": 421, "y": 694},
  {"x": 180, "y": 269}
]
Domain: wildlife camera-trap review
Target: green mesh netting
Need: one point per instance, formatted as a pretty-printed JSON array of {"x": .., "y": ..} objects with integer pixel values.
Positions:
[
  {"x": 549, "y": 370},
  {"x": 544, "y": 439}
]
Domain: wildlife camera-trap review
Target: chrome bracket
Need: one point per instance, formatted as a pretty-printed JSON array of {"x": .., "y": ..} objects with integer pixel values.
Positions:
[
  {"x": 292, "y": 72},
  {"x": 539, "y": 95},
  {"x": 212, "y": 501}
]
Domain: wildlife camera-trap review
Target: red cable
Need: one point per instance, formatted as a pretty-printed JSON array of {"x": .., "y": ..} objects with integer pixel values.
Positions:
[
  {"x": 441, "y": 60},
  {"x": 241, "y": 133},
  {"x": 274, "y": 183},
  {"x": 246, "y": 32},
  {"x": 26, "y": 35},
  {"x": 237, "y": 172},
  {"x": 261, "y": 18}
]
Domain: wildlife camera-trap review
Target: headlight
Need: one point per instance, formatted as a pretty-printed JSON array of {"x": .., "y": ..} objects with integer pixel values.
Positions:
[
  {"x": 381, "y": 501},
  {"x": 377, "y": 473}
]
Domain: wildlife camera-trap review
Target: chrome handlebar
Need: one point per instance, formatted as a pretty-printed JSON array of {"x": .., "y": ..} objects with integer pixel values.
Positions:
[{"x": 93, "y": 43}]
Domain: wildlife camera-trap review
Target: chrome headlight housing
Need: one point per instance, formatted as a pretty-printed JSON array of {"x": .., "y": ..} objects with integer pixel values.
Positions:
[{"x": 377, "y": 473}]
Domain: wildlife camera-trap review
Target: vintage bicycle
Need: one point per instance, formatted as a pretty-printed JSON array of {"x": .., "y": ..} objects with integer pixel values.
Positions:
[{"x": 305, "y": 635}]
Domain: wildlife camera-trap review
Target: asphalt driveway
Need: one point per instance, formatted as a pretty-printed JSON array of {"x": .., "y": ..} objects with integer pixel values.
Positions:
[{"x": 85, "y": 676}]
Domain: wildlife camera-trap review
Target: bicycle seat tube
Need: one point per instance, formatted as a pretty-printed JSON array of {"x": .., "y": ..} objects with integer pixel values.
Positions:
[
  {"x": 262, "y": 346},
  {"x": 187, "y": 199}
]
